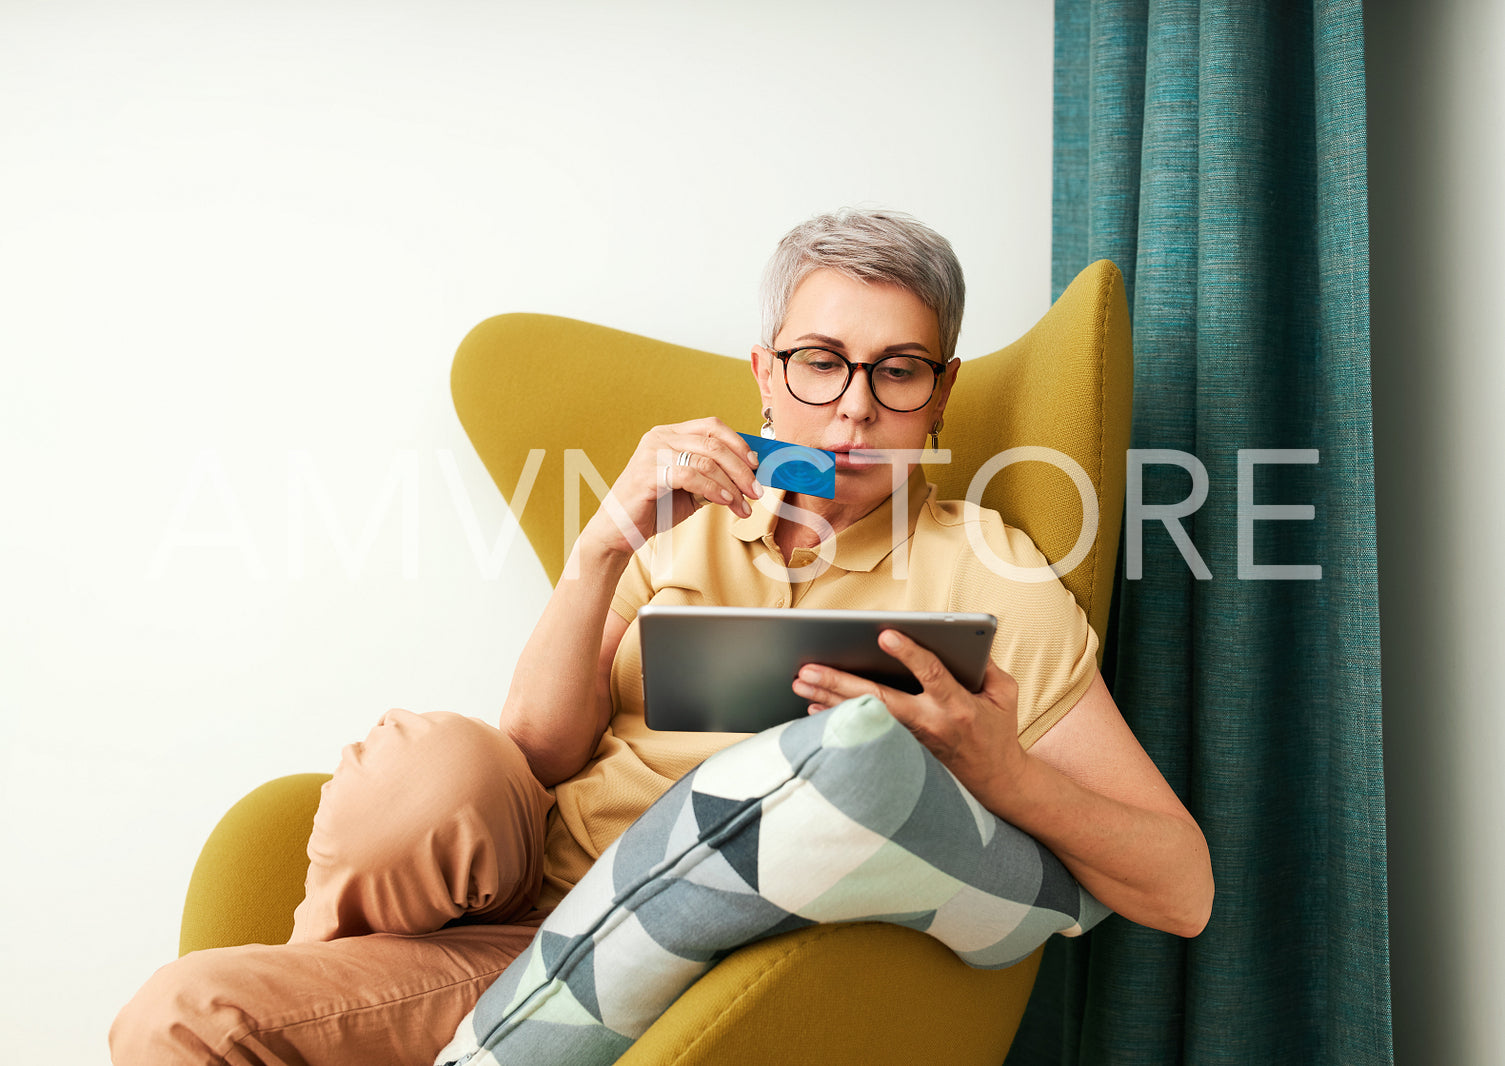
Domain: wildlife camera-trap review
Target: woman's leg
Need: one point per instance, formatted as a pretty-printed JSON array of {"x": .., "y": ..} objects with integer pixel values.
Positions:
[
  {"x": 433, "y": 820},
  {"x": 375, "y": 1000},
  {"x": 430, "y": 819}
]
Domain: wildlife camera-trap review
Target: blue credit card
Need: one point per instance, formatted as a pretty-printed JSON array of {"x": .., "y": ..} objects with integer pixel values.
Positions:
[{"x": 794, "y": 467}]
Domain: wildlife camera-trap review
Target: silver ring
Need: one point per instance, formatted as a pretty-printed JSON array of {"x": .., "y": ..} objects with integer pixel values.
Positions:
[{"x": 683, "y": 459}]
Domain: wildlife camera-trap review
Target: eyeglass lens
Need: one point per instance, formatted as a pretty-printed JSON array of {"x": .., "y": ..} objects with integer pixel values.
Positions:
[{"x": 899, "y": 382}]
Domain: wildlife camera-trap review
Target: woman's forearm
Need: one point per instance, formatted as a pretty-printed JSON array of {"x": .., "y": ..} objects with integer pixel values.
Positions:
[
  {"x": 1151, "y": 867},
  {"x": 556, "y": 708},
  {"x": 1086, "y": 789}
]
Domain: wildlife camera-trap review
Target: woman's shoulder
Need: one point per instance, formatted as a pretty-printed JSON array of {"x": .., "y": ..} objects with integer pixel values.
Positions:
[{"x": 988, "y": 565}]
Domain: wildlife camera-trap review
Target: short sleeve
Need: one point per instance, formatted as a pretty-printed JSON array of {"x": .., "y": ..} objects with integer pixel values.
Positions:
[
  {"x": 1044, "y": 640},
  {"x": 635, "y": 587}
]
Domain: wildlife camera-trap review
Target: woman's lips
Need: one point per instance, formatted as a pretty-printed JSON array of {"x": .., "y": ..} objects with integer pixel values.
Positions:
[{"x": 856, "y": 457}]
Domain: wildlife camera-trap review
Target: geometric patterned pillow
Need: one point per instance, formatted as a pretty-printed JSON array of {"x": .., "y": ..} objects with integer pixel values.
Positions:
[{"x": 837, "y": 817}]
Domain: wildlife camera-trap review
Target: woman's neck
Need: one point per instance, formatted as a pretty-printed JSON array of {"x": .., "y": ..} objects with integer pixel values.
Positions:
[{"x": 791, "y": 534}]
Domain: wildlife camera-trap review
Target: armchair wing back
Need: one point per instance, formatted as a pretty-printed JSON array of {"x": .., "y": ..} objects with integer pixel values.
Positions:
[{"x": 560, "y": 393}]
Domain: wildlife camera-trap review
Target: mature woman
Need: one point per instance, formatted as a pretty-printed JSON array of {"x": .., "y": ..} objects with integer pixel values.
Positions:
[{"x": 441, "y": 842}]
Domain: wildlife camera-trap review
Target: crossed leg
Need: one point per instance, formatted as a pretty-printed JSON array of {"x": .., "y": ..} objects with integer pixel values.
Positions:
[{"x": 425, "y": 864}]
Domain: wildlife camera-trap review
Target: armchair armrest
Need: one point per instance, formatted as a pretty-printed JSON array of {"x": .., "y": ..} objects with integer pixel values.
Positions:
[
  {"x": 249, "y": 877},
  {"x": 904, "y": 996}
]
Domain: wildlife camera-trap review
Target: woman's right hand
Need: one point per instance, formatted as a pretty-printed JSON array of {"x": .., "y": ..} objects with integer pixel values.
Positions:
[{"x": 718, "y": 470}]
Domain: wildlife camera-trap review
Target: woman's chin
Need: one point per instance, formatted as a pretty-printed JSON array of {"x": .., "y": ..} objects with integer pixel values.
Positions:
[{"x": 866, "y": 485}]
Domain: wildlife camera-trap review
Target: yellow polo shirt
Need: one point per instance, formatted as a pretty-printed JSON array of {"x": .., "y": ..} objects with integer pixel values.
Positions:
[{"x": 715, "y": 558}]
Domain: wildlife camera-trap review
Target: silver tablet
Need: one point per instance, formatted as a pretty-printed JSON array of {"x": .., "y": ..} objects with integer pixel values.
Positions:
[{"x": 729, "y": 669}]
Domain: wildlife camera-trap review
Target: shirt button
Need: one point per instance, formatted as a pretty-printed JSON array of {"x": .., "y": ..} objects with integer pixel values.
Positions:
[{"x": 781, "y": 602}]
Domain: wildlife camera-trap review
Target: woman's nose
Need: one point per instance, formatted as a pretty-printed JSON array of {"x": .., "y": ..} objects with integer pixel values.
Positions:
[{"x": 858, "y": 402}]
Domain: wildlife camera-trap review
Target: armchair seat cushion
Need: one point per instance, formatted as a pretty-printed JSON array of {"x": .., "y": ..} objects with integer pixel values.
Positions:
[{"x": 840, "y": 817}]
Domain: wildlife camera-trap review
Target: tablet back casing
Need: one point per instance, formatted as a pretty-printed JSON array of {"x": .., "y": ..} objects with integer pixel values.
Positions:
[{"x": 729, "y": 670}]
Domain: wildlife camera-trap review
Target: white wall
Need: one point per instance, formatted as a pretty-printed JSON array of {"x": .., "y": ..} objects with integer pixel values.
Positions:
[
  {"x": 1437, "y": 152},
  {"x": 243, "y": 239}
]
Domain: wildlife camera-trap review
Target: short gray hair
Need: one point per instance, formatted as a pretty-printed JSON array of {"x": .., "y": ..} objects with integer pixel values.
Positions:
[{"x": 889, "y": 247}]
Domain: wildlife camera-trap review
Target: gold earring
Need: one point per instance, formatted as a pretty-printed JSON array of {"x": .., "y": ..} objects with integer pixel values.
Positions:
[
  {"x": 767, "y": 431},
  {"x": 935, "y": 436}
]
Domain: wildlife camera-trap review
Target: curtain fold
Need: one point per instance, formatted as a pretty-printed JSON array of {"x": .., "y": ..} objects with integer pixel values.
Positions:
[{"x": 1216, "y": 152}]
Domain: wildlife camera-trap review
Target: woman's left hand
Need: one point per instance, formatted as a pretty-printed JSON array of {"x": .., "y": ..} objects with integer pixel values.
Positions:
[
  {"x": 1086, "y": 790},
  {"x": 975, "y": 735}
]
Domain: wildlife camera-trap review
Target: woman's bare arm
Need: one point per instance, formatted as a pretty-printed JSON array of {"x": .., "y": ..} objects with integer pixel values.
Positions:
[
  {"x": 1086, "y": 790},
  {"x": 559, "y": 702}
]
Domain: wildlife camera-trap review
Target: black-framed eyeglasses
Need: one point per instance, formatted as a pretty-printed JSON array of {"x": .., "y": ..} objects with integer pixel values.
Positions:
[{"x": 818, "y": 376}]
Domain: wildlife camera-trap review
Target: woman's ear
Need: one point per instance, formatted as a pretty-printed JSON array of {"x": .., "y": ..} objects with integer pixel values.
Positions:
[
  {"x": 948, "y": 378},
  {"x": 762, "y": 367}
]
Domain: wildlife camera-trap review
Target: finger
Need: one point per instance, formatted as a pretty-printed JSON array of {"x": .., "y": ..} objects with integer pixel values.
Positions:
[
  {"x": 702, "y": 484},
  {"x": 726, "y": 468},
  {"x": 822, "y": 685},
  {"x": 719, "y": 463},
  {"x": 717, "y": 441},
  {"x": 714, "y": 427},
  {"x": 693, "y": 453},
  {"x": 722, "y": 446},
  {"x": 927, "y": 669}
]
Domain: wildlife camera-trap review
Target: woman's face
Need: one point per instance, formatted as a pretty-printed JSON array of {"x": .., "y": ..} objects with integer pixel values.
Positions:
[{"x": 864, "y": 322}]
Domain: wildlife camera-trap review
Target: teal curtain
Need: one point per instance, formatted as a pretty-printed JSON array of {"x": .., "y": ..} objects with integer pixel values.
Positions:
[{"x": 1216, "y": 152}]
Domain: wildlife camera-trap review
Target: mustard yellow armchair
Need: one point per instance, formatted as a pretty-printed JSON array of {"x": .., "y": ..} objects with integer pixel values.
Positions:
[{"x": 868, "y": 994}]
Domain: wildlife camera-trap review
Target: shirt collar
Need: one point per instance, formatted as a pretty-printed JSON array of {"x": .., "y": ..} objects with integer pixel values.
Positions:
[{"x": 863, "y": 544}]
